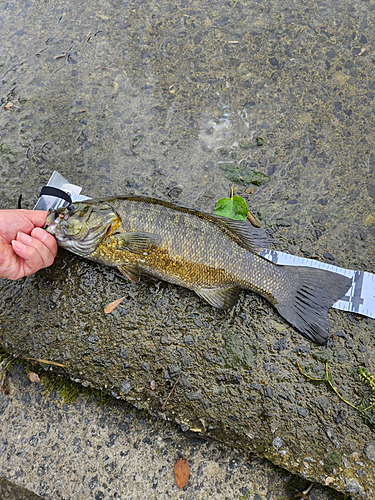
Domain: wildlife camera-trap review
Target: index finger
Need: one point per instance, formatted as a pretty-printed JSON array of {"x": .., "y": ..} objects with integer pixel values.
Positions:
[
  {"x": 47, "y": 239},
  {"x": 36, "y": 217}
]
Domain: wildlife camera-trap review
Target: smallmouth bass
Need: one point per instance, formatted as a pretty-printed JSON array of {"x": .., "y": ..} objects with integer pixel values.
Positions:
[{"x": 211, "y": 255}]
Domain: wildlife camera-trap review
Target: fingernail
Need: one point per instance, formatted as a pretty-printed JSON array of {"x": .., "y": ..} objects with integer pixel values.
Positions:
[
  {"x": 17, "y": 245},
  {"x": 39, "y": 234},
  {"x": 25, "y": 238}
]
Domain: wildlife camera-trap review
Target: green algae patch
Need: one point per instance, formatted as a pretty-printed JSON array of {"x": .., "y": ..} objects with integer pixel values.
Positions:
[
  {"x": 241, "y": 175},
  {"x": 67, "y": 389},
  {"x": 332, "y": 461},
  {"x": 239, "y": 354},
  {"x": 8, "y": 152}
]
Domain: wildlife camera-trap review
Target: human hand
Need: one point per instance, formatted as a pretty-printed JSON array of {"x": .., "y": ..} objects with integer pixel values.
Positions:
[{"x": 24, "y": 246}]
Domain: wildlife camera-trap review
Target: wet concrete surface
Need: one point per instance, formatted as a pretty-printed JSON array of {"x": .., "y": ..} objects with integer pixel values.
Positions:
[{"x": 180, "y": 102}]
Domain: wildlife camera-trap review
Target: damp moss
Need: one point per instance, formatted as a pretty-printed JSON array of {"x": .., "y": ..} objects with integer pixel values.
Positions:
[
  {"x": 332, "y": 460},
  {"x": 67, "y": 389}
]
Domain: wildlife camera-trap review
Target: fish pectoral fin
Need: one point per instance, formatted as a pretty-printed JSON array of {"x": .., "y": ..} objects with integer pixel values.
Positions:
[
  {"x": 136, "y": 242},
  {"x": 131, "y": 271},
  {"x": 222, "y": 298}
]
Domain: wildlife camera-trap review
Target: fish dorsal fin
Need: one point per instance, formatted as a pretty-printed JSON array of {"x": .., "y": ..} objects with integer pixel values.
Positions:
[
  {"x": 131, "y": 271},
  {"x": 250, "y": 237},
  {"x": 221, "y": 298},
  {"x": 136, "y": 242}
]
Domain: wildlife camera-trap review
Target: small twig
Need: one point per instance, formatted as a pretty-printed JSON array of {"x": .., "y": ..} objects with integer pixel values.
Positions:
[
  {"x": 60, "y": 56},
  {"x": 302, "y": 495},
  {"x": 4, "y": 388},
  {"x": 327, "y": 379},
  {"x": 54, "y": 363},
  {"x": 306, "y": 492},
  {"x": 368, "y": 407},
  {"x": 170, "y": 394}
]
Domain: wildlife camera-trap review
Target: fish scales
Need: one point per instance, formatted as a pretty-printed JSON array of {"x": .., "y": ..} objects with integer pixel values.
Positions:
[
  {"x": 214, "y": 260},
  {"x": 211, "y": 255}
]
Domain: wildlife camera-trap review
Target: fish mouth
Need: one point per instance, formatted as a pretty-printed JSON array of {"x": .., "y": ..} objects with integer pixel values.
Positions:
[{"x": 50, "y": 224}]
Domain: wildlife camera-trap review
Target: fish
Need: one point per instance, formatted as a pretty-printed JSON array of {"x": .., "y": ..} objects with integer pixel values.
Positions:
[{"x": 212, "y": 255}]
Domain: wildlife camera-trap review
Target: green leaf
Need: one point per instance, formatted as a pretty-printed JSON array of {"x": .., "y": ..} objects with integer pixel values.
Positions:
[{"x": 234, "y": 208}]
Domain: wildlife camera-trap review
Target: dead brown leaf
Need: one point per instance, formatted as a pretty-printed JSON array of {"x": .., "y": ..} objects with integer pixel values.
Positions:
[
  {"x": 4, "y": 388},
  {"x": 8, "y": 105},
  {"x": 112, "y": 306},
  {"x": 33, "y": 377},
  {"x": 181, "y": 472},
  {"x": 252, "y": 219}
]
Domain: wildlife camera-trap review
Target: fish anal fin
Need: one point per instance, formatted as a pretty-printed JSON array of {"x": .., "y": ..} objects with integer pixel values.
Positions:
[
  {"x": 221, "y": 298},
  {"x": 136, "y": 242},
  {"x": 131, "y": 271}
]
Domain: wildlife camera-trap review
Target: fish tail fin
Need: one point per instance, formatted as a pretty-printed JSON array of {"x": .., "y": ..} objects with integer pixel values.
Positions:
[{"x": 305, "y": 301}]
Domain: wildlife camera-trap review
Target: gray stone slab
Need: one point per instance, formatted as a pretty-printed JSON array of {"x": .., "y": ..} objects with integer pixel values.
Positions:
[{"x": 83, "y": 451}]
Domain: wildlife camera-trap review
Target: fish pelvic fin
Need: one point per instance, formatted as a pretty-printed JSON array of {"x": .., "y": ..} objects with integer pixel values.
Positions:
[
  {"x": 305, "y": 301},
  {"x": 130, "y": 271}
]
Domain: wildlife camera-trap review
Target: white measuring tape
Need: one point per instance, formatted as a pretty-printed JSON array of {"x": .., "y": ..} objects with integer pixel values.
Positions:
[{"x": 359, "y": 299}]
